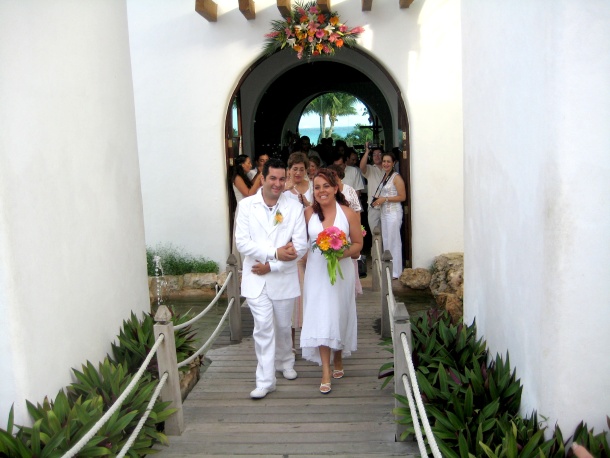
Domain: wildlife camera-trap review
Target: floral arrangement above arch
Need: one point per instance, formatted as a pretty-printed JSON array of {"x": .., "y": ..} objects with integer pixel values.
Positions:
[{"x": 310, "y": 32}]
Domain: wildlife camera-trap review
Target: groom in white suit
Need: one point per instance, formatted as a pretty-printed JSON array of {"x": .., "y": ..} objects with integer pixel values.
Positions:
[{"x": 271, "y": 235}]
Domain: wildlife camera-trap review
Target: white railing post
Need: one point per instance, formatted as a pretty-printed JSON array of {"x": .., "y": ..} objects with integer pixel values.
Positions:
[
  {"x": 168, "y": 362},
  {"x": 386, "y": 262},
  {"x": 233, "y": 292},
  {"x": 402, "y": 324},
  {"x": 377, "y": 242}
]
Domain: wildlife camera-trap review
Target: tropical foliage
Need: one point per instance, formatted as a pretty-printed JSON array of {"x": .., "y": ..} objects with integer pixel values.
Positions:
[
  {"x": 176, "y": 262},
  {"x": 60, "y": 423},
  {"x": 330, "y": 106},
  {"x": 472, "y": 404}
]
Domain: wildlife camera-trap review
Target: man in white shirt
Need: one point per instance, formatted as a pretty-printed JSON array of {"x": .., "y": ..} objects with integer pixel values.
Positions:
[
  {"x": 352, "y": 174},
  {"x": 374, "y": 175},
  {"x": 271, "y": 235}
]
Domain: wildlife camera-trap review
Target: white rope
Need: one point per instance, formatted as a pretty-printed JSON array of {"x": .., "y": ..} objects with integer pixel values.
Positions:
[
  {"x": 140, "y": 425},
  {"x": 212, "y": 338},
  {"x": 202, "y": 314},
  {"x": 420, "y": 404},
  {"x": 87, "y": 437},
  {"x": 418, "y": 435}
]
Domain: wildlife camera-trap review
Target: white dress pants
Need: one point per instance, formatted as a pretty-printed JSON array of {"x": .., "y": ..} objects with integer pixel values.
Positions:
[
  {"x": 390, "y": 234},
  {"x": 374, "y": 218},
  {"x": 272, "y": 337}
]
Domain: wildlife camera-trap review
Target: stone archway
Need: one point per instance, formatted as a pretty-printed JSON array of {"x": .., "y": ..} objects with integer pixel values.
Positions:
[{"x": 272, "y": 87}]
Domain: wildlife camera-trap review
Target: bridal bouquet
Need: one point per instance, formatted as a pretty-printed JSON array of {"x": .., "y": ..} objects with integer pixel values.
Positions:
[{"x": 332, "y": 243}]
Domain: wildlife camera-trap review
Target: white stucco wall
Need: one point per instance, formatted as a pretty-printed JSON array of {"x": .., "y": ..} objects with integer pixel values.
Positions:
[
  {"x": 537, "y": 199},
  {"x": 186, "y": 68},
  {"x": 72, "y": 251}
]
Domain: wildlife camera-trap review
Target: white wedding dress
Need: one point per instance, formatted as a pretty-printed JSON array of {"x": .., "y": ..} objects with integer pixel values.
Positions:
[{"x": 329, "y": 311}]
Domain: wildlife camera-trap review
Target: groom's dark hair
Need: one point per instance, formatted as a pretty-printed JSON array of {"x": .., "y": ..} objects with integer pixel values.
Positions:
[{"x": 273, "y": 163}]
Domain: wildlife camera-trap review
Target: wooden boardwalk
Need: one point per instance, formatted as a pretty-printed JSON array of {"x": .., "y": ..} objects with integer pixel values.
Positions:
[{"x": 354, "y": 420}]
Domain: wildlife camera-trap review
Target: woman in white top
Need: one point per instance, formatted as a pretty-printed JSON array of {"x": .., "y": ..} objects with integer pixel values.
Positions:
[
  {"x": 298, "y": 188},
  {"x": 243, "y": 187},
  {"x": 392, "y": 194}
]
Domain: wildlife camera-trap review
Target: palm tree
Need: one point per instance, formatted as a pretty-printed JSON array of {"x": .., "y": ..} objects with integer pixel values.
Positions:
[{"x": 331, "y": 105}]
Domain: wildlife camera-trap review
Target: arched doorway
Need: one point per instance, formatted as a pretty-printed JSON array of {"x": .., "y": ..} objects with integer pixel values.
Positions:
[{"x": 273, "y": 92}]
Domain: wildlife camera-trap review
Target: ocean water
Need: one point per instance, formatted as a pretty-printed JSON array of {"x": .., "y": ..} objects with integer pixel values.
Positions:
[{"x": 314, "y": 132}]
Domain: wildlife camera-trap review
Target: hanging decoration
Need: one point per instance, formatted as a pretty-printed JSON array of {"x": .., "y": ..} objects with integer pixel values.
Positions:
[{"x": 310, "y": 32}]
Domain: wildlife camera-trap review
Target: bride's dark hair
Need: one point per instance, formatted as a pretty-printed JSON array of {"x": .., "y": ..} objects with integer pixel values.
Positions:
[{"x": 331, "y": 177}]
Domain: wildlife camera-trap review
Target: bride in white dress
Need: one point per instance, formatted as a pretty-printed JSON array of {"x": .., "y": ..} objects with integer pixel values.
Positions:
[{"x": 329, "y": 311}]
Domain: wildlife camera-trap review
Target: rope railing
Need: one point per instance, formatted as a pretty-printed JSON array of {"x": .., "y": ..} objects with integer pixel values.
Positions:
[
  {"x": 174, "y": 425},
  {"x": 140, "y": 425},
  {"x": 395, "y": 322},
  {"x": 208, "y": 343},
  {"x": 208, "y": 308},
  {"x": 96, "y": 427},
  {"x": 411, "y": 383}
]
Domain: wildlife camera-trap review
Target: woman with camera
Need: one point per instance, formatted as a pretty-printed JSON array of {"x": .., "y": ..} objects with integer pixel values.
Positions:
[{"x": 390, "y": 194}]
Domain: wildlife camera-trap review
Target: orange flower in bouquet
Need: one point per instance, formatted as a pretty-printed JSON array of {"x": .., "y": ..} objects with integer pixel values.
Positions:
[{"x": 332, "y": 243}]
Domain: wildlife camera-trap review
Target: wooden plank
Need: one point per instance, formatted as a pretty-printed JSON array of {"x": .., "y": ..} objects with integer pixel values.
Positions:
[
  {"x": 354, "y": 420},
  {"x": 405, "y": 3},
  {"x": 285, "y": 7},
  {"x": 247, "y": 9},
  {"x": 367, "y": 5},
  {"x": 208, "y": 9}
]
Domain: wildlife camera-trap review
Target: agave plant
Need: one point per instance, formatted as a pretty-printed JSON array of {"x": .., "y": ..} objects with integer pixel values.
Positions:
[{"x": 137, "y": 337}]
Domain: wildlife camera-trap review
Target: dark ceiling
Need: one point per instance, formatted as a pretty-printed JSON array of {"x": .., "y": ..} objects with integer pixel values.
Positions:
[{"x": 306, "y": 81}]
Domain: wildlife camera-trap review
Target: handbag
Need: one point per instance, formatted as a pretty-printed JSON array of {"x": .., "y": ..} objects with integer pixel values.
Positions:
[{"x": 362, "y": 266}]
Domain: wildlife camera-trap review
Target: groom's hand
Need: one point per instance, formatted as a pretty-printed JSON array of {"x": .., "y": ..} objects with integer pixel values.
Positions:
[
  {"x": 287, "y": 252},
  {"x": 261, "y": 269}
]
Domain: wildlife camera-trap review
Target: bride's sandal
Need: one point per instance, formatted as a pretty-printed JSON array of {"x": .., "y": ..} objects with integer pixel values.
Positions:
[
  {"x": 325, "y": 388},
  {"x": 338, "y": 373}
]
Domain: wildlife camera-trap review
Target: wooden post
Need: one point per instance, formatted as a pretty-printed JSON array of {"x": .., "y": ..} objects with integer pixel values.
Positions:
[
  {"x": 168, "y": 362},
  {"x": 208, "y": 9},
  {"x": 367, "y": 5},
  {"x": 324, "y": 5},
  {"x": 284, "y": 7},
  {"x": 247, "y": 9},
  {"x": 233, "y": 293},
  {"x": 376, "y": 257},
  {"x": 386, "y": 262},
  {"x": 402, "y": 324}
]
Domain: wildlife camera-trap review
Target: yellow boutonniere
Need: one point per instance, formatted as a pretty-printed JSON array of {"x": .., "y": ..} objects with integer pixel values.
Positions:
[{"x": 278, "y": 218}]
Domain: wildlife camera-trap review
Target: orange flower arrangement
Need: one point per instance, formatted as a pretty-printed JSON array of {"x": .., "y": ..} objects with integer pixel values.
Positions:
[{"x": 309, "y": 32}]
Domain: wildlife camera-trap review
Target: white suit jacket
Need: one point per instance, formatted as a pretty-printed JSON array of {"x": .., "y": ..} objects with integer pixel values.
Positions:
[{"x": 256, "y": 239}]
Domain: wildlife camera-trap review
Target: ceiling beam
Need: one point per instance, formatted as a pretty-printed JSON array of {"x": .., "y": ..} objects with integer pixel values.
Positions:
[
  {"x": 284, "y": 7},
  {"x": 405, "y": 3},
  {"x": 247, "y": 9},
  {"x": 208, "y": 9},
  {"x": 324, "y": 5},
  {"x": 367, "y": 5}
]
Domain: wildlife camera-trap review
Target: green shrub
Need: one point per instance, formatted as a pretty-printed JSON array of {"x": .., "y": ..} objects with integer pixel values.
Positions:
[
  {"x": 59, "y": 424},
  {"x": 472, "y": 405},
  {"x": 136, "y": 338},
  {"x": 176, "y": 262}
]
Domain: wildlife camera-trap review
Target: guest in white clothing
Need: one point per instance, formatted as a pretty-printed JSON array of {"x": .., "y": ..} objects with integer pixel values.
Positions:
[
  {"x": 271, "y": 235},
  {"x": 373, "y": 174},
  {"x": 260, "y": 161},
  {"x": 393, "y": 193}
]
